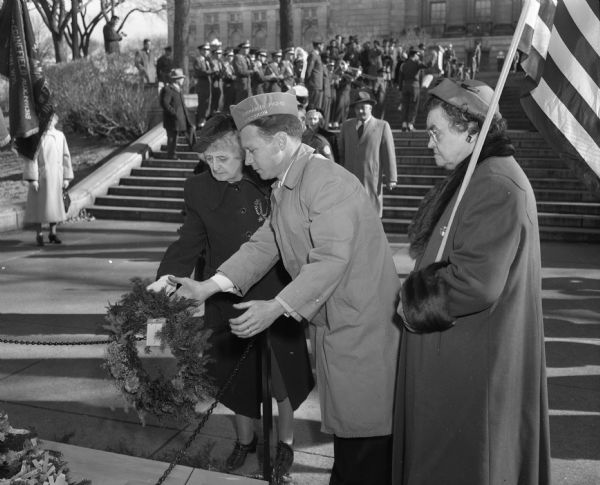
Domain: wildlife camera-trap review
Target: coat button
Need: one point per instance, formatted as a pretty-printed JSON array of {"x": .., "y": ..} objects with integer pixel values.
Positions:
[
  {"x": 243, "y": 210},
  {"x": 248, "y": 234}
]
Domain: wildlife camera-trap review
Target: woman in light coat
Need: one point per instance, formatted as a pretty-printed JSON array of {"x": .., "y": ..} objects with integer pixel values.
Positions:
[{"x": 48, "y": 174}]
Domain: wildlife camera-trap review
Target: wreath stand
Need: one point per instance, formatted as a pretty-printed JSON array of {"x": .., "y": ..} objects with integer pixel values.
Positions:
[{"x": 265, "y": 352}]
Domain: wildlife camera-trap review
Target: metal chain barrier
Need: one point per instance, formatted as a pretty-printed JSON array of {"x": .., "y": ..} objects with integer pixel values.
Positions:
[
  {"x": 181, "y": 453},
  {"x": 60, "y": 342}
]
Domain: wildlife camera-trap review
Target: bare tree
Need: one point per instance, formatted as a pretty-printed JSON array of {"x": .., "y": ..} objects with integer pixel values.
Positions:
[
  {"x": 45, "y": 47},
  {"x": 78, "y": 35},
  {"x": 181, "y": 27},
  {"x": 87, "y": 25},
  {"x": 59, "y": 21},
  {"x": 286, "y": 23},
  {"x": 56, "y": 16}
]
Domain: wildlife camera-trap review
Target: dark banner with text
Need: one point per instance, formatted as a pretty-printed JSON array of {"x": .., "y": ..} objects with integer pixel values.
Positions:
[{"x": 17, "y": 61}]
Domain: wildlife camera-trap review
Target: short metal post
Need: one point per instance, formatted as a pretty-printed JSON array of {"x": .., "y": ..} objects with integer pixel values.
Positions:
[{"x": 265, "y": 351}]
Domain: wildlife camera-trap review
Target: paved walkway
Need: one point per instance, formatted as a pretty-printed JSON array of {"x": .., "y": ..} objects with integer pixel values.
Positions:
[{"x": 66, "y": 396}]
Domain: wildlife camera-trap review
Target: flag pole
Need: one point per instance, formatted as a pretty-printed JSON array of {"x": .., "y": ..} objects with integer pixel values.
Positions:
[{"x": 488, "y": 119}]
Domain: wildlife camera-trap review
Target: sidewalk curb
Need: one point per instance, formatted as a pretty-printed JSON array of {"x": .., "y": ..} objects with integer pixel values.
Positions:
[
  {"x": 12, "y": 218},
  {"x": 83, "y": 194}
]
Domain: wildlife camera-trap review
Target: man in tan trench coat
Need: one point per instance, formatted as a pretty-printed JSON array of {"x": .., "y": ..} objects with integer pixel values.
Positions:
[{"x": 331, "y": 241}]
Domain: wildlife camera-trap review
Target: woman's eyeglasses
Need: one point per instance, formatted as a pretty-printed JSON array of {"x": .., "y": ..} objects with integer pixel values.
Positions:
[{"x": 433, "y": 135}]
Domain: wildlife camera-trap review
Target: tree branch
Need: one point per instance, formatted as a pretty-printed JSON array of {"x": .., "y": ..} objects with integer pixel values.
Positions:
[{"x": 142, "y": 10}]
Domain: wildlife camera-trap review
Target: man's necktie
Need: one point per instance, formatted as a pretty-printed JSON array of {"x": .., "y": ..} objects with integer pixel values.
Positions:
[{"x": 360, "y": 130}]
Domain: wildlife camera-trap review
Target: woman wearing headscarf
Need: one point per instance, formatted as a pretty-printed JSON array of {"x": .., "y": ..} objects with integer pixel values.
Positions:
[{"x": 471, "y": 395}]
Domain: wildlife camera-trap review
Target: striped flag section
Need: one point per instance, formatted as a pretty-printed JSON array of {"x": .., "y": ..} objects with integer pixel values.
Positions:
[{"x": 561, "y": 58}]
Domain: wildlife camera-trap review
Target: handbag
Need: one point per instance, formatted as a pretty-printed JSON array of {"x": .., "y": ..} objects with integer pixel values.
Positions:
[{"x": 66, "y": 200}]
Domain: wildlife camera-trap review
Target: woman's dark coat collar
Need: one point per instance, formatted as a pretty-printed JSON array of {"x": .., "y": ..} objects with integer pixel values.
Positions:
[{"x": 215, "y": 190}]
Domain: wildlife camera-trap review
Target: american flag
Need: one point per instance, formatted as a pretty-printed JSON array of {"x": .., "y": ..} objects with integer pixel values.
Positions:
[{"x": 561, "y": 58}]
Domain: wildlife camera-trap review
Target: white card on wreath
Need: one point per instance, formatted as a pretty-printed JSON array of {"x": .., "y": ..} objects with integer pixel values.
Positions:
[{"x": 153, "y": 326}]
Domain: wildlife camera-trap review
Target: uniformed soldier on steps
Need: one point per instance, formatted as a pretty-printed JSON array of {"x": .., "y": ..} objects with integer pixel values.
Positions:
[
  {"x": 273, "y": 73},
  {"x": 216, "y": 98},
  {"x": 228, "y": 75},
  {"x": 203, "y": 74},
  {"x": 258, "y": 80},
  {"x": 242, "y": 66}
]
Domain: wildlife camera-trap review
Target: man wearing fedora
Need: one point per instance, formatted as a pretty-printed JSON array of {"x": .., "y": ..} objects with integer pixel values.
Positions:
[
  {"x": 366, "y": 148},
  {"x": 175, "y": 116},
  {"x": 344, "y": 283},
  {"x": 203, "y": 71}
]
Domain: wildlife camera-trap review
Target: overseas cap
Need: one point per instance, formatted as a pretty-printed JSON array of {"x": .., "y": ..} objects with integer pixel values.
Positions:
[
  {"x": 262, "y": 105},
  {"x": 470, "y": 95}
]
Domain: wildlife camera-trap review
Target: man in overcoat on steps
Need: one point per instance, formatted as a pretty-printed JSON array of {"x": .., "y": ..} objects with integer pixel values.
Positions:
[{"x": 175, "y": 117}]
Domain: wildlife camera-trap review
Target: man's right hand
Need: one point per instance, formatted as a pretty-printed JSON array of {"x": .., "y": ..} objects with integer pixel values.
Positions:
[{"x": 194, "y": 290}]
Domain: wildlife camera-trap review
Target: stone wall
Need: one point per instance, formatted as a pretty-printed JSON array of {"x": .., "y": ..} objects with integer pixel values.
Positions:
[{"x": 367, "y": 19}]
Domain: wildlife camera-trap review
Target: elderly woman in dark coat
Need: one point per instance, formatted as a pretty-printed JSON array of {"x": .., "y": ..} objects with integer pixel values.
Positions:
[
  {"x": 224, "y": 207},
  {"x": 471, "y": 402}
]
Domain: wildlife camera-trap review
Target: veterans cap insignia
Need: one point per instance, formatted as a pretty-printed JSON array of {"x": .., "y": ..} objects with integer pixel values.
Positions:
[{"x": 262, "y": 105}]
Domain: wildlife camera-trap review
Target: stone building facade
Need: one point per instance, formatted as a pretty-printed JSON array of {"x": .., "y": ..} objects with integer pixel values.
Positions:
[{"x": 460, "y": 22}]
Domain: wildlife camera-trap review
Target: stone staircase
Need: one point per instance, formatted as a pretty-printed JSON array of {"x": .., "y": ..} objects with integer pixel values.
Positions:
[
  {"x": 567, "y": 210},
  {"x": 153, "y": 192},
  {"x": 510, "y": 105}
]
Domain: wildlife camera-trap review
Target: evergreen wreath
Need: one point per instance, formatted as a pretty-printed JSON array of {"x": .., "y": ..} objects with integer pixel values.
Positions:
[{"x": 176, "y": 395}]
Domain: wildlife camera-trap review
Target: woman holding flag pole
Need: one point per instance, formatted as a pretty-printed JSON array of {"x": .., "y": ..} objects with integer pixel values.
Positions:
[{"x": 471, "y": 395}]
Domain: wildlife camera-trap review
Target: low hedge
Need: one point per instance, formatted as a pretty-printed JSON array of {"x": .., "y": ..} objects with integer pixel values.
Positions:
[{"x": 101, "y": 96}]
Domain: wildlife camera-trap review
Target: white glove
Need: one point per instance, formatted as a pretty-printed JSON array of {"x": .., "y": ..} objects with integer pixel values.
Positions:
[{"x": 162, "y": 283}]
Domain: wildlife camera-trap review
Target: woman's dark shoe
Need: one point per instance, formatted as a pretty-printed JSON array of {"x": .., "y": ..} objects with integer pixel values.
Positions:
[
  {"x": 53, "y": 238},
  {"x": 283, "y": 461},
  {"x": 239, "y": 454},
  {"x": 39, "y": 239}
]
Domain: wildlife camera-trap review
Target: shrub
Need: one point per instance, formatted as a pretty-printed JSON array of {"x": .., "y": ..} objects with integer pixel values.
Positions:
[{"x": 101, "y": 96}]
